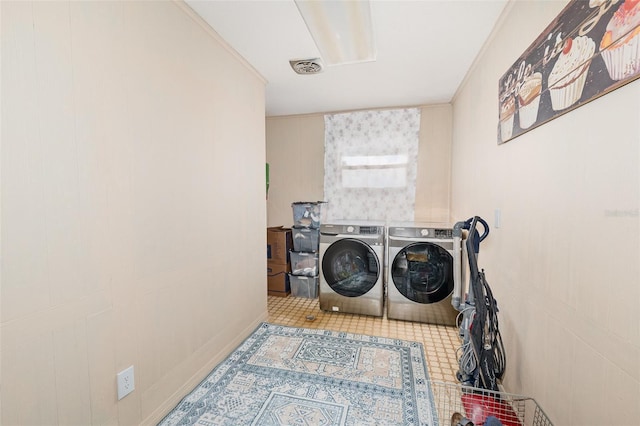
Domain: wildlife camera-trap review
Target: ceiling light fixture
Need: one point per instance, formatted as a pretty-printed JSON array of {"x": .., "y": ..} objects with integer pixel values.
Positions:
[{"x": 342, "y": 30}]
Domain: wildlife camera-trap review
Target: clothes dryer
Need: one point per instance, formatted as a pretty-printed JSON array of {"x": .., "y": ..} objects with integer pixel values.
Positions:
[
  {"x": 351, "y": 257},
  {"x": 423, "y": 272}
]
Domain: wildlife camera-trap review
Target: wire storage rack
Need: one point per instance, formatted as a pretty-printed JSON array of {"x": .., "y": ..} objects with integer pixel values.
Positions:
[{"x": 477, "y": 404}]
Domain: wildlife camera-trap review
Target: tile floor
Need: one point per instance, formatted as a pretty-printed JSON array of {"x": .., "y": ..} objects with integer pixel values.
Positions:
[{"x": 440, "y": 342}]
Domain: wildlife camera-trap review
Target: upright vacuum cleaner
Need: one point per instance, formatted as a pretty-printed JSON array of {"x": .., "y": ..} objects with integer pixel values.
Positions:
[{"x": 481, "y": 356}]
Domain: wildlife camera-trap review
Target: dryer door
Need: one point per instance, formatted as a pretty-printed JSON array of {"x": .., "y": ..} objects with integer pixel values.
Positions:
[
  {"x": 423, "y": 272},
  {"x": 350, "y": 267}
]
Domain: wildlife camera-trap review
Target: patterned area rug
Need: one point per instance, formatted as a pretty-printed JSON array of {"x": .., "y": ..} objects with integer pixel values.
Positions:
[{"x": 294, "y": 376}]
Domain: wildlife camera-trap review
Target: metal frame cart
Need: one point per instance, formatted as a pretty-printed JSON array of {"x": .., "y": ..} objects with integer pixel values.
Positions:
[{"x": 476, "y": 404}]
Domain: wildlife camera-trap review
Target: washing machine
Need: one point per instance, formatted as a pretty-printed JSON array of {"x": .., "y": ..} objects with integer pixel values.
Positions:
[
  {"x": 424, "y": 271},
  {"x": 351, "y": 260}
]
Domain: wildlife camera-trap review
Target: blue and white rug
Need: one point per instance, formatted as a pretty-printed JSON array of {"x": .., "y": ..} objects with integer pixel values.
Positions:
[{"x": 294, "y": 376}]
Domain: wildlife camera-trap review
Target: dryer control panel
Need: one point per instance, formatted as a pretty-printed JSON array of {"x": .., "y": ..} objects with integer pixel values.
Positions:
[{"x": 410, "y": 232}]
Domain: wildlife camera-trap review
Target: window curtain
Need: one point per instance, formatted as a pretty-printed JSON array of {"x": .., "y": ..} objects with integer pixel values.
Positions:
[{"x": 370, "y": 164}]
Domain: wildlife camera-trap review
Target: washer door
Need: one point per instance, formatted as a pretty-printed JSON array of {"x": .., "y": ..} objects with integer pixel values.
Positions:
[
  {"x": 423, "y": 272},
  {"x": 350, "y": 267}
]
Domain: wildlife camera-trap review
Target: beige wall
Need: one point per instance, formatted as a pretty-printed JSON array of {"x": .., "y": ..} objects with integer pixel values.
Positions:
[
  {"x": 133, "y": 208},
  {"x": 564, "y": 265},
  {"x": 295, "y": 152},
  {"x": 433, "y": 185}
]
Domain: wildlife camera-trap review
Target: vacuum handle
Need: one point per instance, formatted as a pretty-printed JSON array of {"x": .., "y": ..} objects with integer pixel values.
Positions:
[
  {"x": 473, "y": 246},
  {"x": 474, "y": 236},
  {"x": 485, "y": 226}
]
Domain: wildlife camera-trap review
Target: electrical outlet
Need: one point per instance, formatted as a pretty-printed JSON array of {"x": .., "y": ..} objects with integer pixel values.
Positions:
[{"x": 126, "y": 383}]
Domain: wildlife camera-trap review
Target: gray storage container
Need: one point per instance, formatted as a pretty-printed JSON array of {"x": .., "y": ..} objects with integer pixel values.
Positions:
[
  {"x": 306, "y": 239},
  {"x": 304, "y": 263},
  {"x": 307, "y": 214},
  {"x": 302, "y": 286}
]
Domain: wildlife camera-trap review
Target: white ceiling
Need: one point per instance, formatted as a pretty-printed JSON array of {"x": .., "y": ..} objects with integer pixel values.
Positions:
[{"x": 424, "y": 49}]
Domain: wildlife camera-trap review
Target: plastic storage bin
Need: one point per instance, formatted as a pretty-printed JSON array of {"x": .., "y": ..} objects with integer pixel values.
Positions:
[
  {"x": 306, "y": 239},
  {"x": 307, "y": 214},
  {"x": 304, "y": 263},
  {"x": 302, "y": 286}
]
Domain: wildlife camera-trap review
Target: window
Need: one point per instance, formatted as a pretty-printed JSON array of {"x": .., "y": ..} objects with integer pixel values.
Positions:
[
  {"x": 371, "y": 164},
  {"x": 374, "y": 171}
]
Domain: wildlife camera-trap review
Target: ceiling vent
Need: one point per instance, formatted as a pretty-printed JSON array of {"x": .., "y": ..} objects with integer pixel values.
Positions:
[{"x": 306, "y": 66}]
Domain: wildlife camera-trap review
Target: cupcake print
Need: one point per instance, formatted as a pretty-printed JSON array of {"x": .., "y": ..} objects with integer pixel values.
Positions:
[
  {"x": 620, "y": 45},
  {"x": 569, "y": 74},
  {"x": 507, "y": 111},
  {"x": 529, "y": 100}
]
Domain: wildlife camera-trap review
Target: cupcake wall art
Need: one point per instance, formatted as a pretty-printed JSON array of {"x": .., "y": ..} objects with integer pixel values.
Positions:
[{"x": 591, "y": 48}]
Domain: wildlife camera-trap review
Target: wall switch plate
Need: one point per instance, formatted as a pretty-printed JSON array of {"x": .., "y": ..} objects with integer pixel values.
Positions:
[
  {"x": 126, "y": 383},
  {"x": 497, "y": 222}
]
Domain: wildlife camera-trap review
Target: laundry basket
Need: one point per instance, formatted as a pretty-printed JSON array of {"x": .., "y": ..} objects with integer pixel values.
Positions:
[{"x": 476, "y": 404}]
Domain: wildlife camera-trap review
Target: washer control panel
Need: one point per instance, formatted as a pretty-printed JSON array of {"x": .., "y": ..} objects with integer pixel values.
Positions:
[{"x": 330, "y": 229}]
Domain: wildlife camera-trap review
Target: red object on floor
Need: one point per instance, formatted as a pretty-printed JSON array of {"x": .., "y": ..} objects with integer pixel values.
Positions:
[{"x": 478, "y": 407}]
